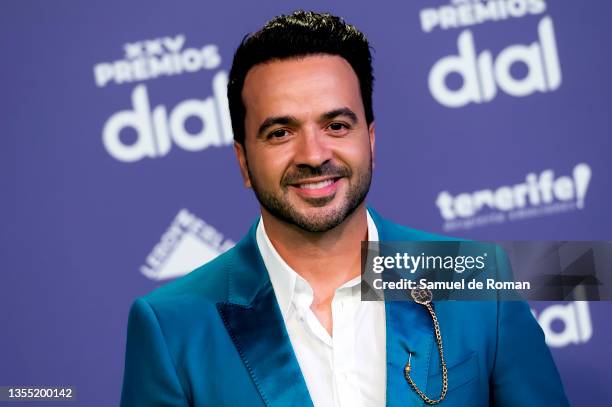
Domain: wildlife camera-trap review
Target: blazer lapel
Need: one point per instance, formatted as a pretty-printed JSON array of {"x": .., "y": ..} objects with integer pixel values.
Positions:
[
  {"x": 409, "y": 329},
  {"x": 254, "y": 322}
]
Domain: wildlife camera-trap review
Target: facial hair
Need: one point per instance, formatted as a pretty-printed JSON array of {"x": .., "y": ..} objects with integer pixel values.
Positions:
[{"x": 278, "y": 205}]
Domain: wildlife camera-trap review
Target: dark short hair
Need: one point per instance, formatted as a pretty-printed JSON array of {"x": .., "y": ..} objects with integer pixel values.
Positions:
[{"x": 297, "y": 35}]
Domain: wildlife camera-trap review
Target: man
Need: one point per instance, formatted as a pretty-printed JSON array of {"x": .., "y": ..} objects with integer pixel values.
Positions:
[{"x": 278, "y": 320}]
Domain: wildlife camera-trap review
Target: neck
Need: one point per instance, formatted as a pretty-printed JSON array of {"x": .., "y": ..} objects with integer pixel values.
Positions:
[{"x": 325, "y": 259}]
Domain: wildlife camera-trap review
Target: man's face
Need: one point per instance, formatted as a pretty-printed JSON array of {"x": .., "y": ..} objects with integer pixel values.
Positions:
[{"x": 308, "y": 149}]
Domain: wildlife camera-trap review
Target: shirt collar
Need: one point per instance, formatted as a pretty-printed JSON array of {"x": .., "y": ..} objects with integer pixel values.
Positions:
[{"x": 285, "y": 281}]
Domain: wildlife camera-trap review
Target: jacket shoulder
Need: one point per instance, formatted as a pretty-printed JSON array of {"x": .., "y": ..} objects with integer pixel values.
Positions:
[
  {"x": 392, "y": 231},
  {"x": 208, "y": 283}
]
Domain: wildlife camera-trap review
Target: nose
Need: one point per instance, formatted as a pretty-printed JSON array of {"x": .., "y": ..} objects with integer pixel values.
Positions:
[{"x": 312, "y": 149}]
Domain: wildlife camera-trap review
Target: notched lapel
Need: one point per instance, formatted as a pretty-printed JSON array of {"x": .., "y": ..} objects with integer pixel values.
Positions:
[
  {"x": 254, "y": 322},
  {"x": 259, "y": 334}
]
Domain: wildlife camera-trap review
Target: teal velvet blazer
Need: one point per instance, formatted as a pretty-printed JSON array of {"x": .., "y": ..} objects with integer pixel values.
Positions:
[{"x": 216, "y": 337}]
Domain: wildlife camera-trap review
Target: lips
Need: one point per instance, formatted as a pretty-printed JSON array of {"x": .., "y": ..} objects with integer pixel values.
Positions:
[
  {"x": 316, "y": 188},
  {"x": 316, "y": 185}
]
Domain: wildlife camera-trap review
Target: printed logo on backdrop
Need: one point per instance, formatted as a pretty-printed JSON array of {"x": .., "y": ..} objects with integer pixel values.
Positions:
[
  {"x": 484, "y": 75},
  {"x": 540, "y": 194},
  {"x": 158, "y": 127},
  {"x": 189, "y": 242},
  {"x": 566, "y": 324}
]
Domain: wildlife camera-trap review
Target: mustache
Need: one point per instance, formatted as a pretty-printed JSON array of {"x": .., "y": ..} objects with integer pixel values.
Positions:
[{"x": 303, "y": 172}]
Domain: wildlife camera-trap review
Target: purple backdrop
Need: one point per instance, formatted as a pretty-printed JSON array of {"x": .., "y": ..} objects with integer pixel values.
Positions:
[{"x": 493, "y": 122}]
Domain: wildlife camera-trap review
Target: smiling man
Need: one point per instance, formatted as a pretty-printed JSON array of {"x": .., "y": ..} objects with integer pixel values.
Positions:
[{"x": 278, "y": 319}]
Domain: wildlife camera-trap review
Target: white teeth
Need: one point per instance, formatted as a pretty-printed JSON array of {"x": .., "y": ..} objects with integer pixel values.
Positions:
[{"x": 317, "y": 185}]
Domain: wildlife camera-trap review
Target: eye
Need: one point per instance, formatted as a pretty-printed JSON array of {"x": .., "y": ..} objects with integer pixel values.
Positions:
[
  {"x": 278, "y": 133},
  {"x": 338, "y": 127}
]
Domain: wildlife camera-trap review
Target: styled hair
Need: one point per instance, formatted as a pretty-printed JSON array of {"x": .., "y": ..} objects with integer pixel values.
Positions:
[{"x": 299, "y": 34}]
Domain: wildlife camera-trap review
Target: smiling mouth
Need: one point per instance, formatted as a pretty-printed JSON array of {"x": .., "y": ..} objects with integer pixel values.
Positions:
[
  {"x": 317, "y": 188},
  {"x": 317, "y": 184}
]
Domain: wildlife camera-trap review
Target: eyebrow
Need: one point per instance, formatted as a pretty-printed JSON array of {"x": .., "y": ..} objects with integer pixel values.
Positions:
[
  {"x": 293, "y": 121},
  {"x": 271, "y": 121},
  {"x": 343, "y": 111}
]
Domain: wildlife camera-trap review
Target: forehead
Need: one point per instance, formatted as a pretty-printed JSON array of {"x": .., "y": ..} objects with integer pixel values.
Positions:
[{"x": 300, "y": 87}]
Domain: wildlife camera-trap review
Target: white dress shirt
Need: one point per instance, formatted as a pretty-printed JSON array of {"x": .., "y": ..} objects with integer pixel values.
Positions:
[{"x": 348, "y": 368}]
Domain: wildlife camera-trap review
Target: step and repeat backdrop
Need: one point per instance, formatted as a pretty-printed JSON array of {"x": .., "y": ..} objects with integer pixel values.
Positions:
[{"x": 493, "y": 122}]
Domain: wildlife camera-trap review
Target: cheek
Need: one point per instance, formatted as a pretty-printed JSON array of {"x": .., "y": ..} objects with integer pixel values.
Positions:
[
  {"x": 268, "y": 167},
  {"x": 357, "y": 155}
]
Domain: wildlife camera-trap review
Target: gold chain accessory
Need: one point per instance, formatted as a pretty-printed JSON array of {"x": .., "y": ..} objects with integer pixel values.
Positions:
[{"x": 424, "y": 297}]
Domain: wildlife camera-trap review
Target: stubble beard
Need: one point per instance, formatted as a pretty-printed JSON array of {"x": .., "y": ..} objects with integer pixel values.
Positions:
[{"x": 279, "y": 206}]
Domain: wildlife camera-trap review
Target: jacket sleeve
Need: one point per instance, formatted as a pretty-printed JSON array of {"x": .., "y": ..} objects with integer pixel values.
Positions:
[
  {"x": 150, "y": 377},
  {"x": 524, "y": 373}
]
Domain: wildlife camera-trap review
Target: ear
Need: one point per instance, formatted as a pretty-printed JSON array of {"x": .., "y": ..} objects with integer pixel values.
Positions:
[
  {"x": 372, "y": 131},
  {"x": 242, "y": 162}
]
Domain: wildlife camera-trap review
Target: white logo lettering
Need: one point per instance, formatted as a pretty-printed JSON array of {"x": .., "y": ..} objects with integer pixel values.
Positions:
[
  {"x": 541, "y": 194},
  {"x": 463, "y": 13},
  {"x": 188, "y": 243},
  {"x": 150, "y": 59},
  {"x": 156, "y": 129},
  {"x": 482, "y": 75},
  {"x": 534, "y": 191},
  {"x": 576, "y": 319}
]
